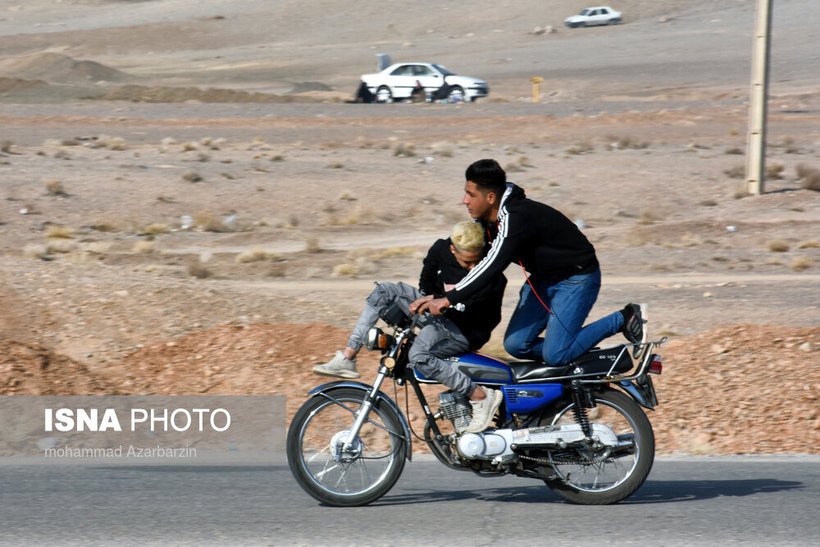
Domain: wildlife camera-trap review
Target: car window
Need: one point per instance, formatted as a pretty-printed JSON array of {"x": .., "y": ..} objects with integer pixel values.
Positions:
[
  {"x": 404, "y": 70},
  {"x": 585, "y": 11},
  {"x": 444, "y": 71},
  {"x": 421, "y": 70}
]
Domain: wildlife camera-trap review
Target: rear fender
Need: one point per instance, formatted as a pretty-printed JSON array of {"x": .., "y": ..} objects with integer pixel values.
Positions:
[
  {"x": 644, "y": 394},
  {"x": 329, "y": 388}
]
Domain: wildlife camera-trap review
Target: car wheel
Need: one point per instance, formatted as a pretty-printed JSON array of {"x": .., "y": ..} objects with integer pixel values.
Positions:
[
  {"x": 384, "y": 95},
  {"x": 456, "y": 94}
]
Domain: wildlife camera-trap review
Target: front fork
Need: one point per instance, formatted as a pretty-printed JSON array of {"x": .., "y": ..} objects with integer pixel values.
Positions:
[{"x": 364, "y": 410}]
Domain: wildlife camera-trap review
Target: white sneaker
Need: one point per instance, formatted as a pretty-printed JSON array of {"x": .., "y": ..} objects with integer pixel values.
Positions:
[
  {"x": 484, "y": 410},
  {"x": 339, "y": 367}
]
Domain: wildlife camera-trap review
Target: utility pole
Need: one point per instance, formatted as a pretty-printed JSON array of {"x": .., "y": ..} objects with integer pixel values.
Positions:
[{"x": 756, "y": 142}]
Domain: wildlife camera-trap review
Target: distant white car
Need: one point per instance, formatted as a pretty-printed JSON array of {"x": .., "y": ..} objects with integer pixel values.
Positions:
[
  {"x": 599, "y": 15},
  {"x": 398, "y": 80}
]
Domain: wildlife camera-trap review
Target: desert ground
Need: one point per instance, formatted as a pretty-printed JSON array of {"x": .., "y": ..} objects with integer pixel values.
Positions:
[{"x": 189, "y": 206}]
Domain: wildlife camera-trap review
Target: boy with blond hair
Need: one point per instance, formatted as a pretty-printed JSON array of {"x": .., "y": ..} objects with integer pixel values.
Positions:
[{"x": 441, "y": 336}]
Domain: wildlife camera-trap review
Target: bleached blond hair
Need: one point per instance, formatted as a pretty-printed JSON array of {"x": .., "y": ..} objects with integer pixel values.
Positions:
[{"x": 467, "y": 236}]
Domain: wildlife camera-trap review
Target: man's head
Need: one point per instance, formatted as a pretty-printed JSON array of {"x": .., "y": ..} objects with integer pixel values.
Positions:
[
  {"x": 467, "y": 243},
  {"x": 486, "y": 183}
]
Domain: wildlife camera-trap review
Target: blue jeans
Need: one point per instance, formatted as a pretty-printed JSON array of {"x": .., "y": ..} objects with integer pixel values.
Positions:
[{"x": 565, "y": 336}]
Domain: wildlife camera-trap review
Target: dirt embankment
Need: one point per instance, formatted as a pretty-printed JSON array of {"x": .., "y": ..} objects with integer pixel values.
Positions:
[{"x": 738, "y": 389}]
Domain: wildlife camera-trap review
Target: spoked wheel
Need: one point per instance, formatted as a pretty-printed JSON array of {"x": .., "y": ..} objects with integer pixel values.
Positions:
[
  {"x": 608, "y": 471},
  {"x": 338, "y": 470}
]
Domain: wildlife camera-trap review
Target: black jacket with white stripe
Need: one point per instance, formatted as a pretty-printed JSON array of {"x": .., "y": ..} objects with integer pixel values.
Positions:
[{"x": 547, "y": 244}]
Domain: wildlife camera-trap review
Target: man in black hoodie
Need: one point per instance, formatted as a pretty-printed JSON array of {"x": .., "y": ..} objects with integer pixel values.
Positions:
[{"x": 563, "y": 276}]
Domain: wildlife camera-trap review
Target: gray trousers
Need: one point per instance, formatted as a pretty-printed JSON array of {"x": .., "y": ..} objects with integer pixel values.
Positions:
[{"x": 438, "y": 338}]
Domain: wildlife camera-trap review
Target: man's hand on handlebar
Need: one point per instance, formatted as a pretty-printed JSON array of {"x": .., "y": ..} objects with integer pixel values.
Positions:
[
  {"x": 414, "y": 306},
  {"x": 436, "y": 306}
]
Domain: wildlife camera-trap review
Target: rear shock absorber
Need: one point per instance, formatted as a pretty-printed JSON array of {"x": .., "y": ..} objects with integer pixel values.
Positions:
[{"x": 581, "y": 399}]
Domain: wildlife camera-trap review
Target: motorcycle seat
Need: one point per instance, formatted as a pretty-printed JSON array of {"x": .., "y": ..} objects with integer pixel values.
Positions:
[
  {"x": 529, "y": 371},
  {"x": 595, "y": 361}
]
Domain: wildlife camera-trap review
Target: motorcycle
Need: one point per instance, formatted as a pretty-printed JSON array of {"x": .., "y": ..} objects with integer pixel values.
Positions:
[{"x": 579, "y": 428}]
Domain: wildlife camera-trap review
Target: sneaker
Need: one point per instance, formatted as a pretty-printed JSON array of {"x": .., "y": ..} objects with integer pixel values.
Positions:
[
  {"x": 340, "y": 367},
  {"x": 633, "y": 323},
  {"x": 484, "y": 410}
]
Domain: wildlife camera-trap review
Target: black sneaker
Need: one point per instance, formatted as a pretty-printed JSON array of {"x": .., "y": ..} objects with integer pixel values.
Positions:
[{"x": 633, "y": 323}]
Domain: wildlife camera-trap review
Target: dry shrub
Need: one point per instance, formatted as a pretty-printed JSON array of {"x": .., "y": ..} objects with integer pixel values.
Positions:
[
  {"x": 404, "y": 150},
  {"x": 62, "y": 245},
  {"x": 156, "y": 229},
  {"x": 736, "y": 172},
  {"x": 256, "y": 255},
  {"x": 811, "y": 244},
  {"x": 312, "y": 245},
  {"x": 277, "y": 269},
  {"x": 55, "y": 188},
  {"x": 5, "y": 146},
  {"x": 774, "y": 171},
  {"x": 579, "y": 148},
  {"x": 208, "y": 221},
  {"x": 192, "y": 176},
  {"x": 442, "y": 148},
  {"x": 625, "y": 143},
  {"x": 809, "y": 177},
  {"x": 778, "y": 246},
  {"x": 36, "y": 250},
  {"x": 800, "y": 263},
  {"x": 112, "y": 143},
  {"x": 648, "y": 217},
  {"x": 335, "y": 165},
  {"x": 57, "y": 231},
  {"x": 733, "y": 151},
  {"x": 196, "y": 268},
  {"x": 345, "y": 269},
  {"x": 143, "y": 247}
]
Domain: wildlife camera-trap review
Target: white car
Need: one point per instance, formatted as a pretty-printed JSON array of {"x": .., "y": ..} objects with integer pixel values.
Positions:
[
  {"x": 599, "y": 15},
  {"x": 398, "y": 80}
]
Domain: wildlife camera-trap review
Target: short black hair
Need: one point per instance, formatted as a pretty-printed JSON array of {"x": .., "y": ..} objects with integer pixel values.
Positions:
[{"x": 487, "y": 175}]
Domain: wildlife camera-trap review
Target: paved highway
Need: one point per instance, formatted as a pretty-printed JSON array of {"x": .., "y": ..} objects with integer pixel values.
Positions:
[{"x": 686, "y": 501}]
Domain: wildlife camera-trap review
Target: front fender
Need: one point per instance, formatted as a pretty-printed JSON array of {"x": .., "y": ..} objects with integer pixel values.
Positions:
[{"x": 328, "y": 389}]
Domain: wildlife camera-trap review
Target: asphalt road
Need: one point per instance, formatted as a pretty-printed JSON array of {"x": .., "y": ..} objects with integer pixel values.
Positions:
[{"x": 756, "y": 500}]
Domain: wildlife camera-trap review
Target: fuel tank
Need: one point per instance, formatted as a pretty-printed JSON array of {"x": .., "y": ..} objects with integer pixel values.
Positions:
[{"x": 480, "y": 367}]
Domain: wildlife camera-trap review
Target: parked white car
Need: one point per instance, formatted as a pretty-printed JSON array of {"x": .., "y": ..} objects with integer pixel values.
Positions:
[
  {"x": 398, "y": 80},
  {"x": 599, "y": 15}
]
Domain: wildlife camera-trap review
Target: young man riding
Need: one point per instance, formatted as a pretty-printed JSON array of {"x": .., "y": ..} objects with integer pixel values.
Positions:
[{"x": 563, "y": 275}]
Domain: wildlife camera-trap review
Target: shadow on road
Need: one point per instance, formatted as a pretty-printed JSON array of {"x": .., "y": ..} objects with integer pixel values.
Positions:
[{"x": 650, "y": 492}]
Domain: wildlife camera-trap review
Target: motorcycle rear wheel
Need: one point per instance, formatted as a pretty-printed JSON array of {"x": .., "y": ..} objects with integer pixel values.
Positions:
[
  {"x": 605, "y": 478},
  {"x": 338, "y": 477}
]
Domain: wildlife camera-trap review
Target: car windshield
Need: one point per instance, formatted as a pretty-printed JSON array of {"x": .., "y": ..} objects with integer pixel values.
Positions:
[
  {"x": 585, "y": 11},
  {"x": 444, "y": 71}
]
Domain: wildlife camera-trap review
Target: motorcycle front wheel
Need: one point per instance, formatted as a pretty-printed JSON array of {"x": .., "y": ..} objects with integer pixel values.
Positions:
[
  {"x": 599, "y": 475},
  {"x": 338, "y": 470}
]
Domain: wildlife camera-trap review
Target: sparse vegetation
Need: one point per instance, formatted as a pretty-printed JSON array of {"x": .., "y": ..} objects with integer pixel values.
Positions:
[
  {"x": 625, "y": 143},
  {"x": 778, "y": 246},
  {"x": 58, "y": 231},
  {"x": 583, "y": 147},
  {"x": 192, "y": 176},
  {"x": 736, "y": 172},
  {"x": 55, "y": 188},
  {"x": 256, "y": 255},
  {"x": 800, "y": 263},
  {"x": 196, "y": 268},
  {"x": 404, "y": 150},
  {"x": 809, "y": 177},
  {"x": 144, "y": 246},
  {"x": 774, "y": 171}
]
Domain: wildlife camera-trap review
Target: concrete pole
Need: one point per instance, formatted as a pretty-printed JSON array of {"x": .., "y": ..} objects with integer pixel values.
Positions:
[{"x": 756, "y": 143}]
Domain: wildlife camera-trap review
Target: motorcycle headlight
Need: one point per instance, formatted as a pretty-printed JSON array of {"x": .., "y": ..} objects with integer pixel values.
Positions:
[{"x": 377, "y": 339}]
